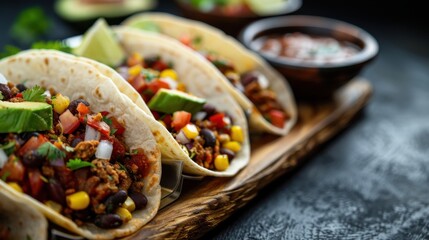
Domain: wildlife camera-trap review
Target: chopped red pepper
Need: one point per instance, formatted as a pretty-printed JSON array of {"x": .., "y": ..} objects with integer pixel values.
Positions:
[
  {"x": 120, "y": 129},
  {"x": 82, "y": 109},
  {"x": 217, "y": 120},
  {"x": 186, "y": 40}
]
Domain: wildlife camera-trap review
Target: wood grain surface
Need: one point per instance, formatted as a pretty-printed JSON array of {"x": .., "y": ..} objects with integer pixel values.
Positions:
[{"x": 206, "y": 203}]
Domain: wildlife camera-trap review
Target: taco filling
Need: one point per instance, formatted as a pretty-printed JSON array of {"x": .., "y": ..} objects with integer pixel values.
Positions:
[
  {"x": 73, "y": 160},
  {"x": 208, "y": 136},
  {"x": 252, "y": 84}
]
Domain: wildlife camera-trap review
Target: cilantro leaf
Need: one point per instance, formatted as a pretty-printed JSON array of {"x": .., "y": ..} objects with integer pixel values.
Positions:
[
  {"x": 56, "y": 45},
  {"x": 50, "y": 151},
  {"x": 34, "y": 94},
  {"x": 5, "y": 176},
  {"x": 77, "y": 163},
  {"x": 30, "y": 25},
  {"x": 1, "y": 96},
  {"x": 9, "y": 50},
  {"x": 109, "y": 122}
]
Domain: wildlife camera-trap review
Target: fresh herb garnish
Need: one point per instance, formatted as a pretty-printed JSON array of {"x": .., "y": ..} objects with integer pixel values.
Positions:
[
  {"x": 34, "y": 94},
  {"x": 197, "y": 40},
  {"x": 109, "y": 122},
  {"x": 192, "y": 155},
  {"x": 134, "y": 152},
  {"x": 50, "y": 151},
  {"x": 30, "y": 25},
  {"x": 8, "y": 147},
  {"x": 149, "y": 75},
  {"x": 5, "y": 176},
  {"x": 56, "y": 45},
  {"x": 9, "y": 50},
  {"x": 77, "y": 163},
  {"x": 113, "y": 131}
]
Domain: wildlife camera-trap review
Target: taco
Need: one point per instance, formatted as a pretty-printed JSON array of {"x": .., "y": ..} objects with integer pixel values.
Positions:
[
  {"x": 79, "y": 149},
  {"x": 257, "y": 87},
  {"x": 18, "y": 220},
  {"x": 155, "y": 62}
]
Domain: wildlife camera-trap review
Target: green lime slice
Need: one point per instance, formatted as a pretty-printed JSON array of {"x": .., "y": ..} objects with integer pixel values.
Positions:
[
  {"x": 267, "y": 7},
  {"x": 100, "y": 43}
]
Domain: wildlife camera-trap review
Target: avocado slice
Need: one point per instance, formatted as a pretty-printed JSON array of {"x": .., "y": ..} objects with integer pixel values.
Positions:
[
  {"x": 170, "y": 101},
  {"x": 25, "y": 117},
  {"x": 78, "y": 10}
]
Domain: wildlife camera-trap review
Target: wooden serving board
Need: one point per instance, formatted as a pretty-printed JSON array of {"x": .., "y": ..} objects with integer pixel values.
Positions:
[{"x": 206, "y": 203}]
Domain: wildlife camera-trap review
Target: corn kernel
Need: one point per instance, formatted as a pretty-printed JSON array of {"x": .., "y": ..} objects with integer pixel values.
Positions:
[
  {"x": 181, "y": 87},
  {"x": 233, "y": 146},
  {"x": 135, "y": 70},
  {"x": 15, "y": 186},
  {"x": 237, "y": 134},
  {"x": 54, "y": 206},
  {"x": 190, "y": 131},
  {"x": 221, "y": 162},
  {"x": 78, "y": 201},
  {"x": 60, "y": 103},
  {"x": 124, "y": 214},
  {"x": 169, "y": 73},
  {"x": 129, "y": 204}
]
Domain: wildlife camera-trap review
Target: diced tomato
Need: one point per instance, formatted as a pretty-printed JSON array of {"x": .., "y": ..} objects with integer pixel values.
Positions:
[
  {"x": 32, "y": 144},
  {"x": 118, "y": 149},
  {"x": 217, "y": 120},
  {"x": 100, "y": 126},
  {"x": 157, "y": 84},
  {"x": 19, "y": 95},
  {"x": 14, "y": 169},
  {"x": 140, "y": 161},
  {"x": 186, "y": 40},
  {"x": 277, "y": 118},
  {"x": 180, "y": 119},
  {"x": 120, "y": 129},
  {"x": 35, "y": 180},
  {"x": 82, "y": 109},
  {"x": 69, "y": 122},
  {"x": 159, "y": 66},
  {"x": 139, "y": 83}
]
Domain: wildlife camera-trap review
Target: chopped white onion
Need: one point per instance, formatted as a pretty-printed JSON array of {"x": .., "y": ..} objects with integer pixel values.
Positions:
[
  {"x": 47, "y": 93},
  {"x": 2, "y": 79},
  {"x": 171, "y": 82},
  {"x": 3, "y": 158},
  {"x": 104, "y": 150},
  {"x": 263, "y": 81},
  {"x": 199, "y": 116},
  {"x": 181, "y": 138},
  {"x": 91, "y": 134},
  {"x": 227, "y": 120}
]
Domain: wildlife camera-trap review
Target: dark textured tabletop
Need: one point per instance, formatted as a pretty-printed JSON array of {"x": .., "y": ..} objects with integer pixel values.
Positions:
[{"x": 372, "y": 180}]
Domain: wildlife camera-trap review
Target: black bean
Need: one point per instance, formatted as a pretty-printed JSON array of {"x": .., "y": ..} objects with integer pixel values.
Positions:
[
  {"x": 209, "y": 109},
  {"x": 5, "y": 91},
  {"x": 228, "y": 152},
  {"x": 209, "y": 137},
  {"x": 56, "y": 192},
  {"x": 151, "y": 60},
  {"x": 21, "y": 87},
  {"x": 115, "y": 201},
  {"x": 248, "y": 78},
  {"x": 108, "y": 221},
  {"x": 33, "y": 159},
  {"x": 75, "y": 142},
  {"x": 73, "y": 105},
  {"x": 139, "y": 199},
  {"x": 27, "y": 135},
  {"x": 85, "y": 215}
]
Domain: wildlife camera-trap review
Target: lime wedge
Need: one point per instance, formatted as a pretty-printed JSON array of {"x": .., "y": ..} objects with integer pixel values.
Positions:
[
  {"x": 100, "y": 43},
  {"x": 267, "y": 7}
]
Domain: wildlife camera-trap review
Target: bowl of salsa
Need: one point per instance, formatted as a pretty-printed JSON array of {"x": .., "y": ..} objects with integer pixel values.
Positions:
[
  {"x": 232, "y": 15},
  {"x": 316, "y": 55}
]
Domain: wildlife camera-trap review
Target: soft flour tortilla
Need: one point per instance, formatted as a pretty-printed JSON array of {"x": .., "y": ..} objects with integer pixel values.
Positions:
[
  {"x": 200, "y": 79},
  {"x": 24, "y": 221},
  {"x": 214, "y": 40},
  {"x": 77, "y": 79}
]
